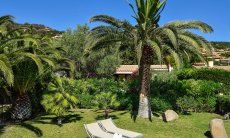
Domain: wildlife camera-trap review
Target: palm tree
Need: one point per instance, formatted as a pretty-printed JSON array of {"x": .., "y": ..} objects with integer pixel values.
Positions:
[
  {"x": 5, "y": 66},
  {"x": 22, "y": 60},
  {"x": 149, "y": 38},
  {"x": 58, "y": 100}
]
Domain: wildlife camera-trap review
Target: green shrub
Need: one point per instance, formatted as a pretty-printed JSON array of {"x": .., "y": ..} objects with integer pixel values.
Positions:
[
  {"x": 223, "y": 103},
  {"x": 86, "y": 89},
  {"x": 203, "y": 92},
  {"x": 160, "y": 105},
  {"x": 185, "y": 95},
  {"x": 216, "y": 75},
  {"x": 168, "y": 87},
  {"x": 186, "y": 104}
]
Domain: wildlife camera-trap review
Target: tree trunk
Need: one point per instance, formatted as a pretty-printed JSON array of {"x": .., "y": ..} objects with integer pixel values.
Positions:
[
  {"x": 21, "y": 108},
  {"x": 144, "y": 110}
]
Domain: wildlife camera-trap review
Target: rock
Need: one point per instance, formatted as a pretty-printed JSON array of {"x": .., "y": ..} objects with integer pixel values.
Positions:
[
  {"x": 170, "y": 115},
  {"x": 217, "y": 128}
]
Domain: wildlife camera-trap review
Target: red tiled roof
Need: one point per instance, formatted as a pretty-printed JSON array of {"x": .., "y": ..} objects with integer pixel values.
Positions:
[
  {"x": 127, "y": 69},
  {"x": 131, "y": 69}
]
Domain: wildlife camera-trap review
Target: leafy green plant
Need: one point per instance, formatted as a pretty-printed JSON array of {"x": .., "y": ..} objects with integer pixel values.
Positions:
[
  {"x": 204, "y": 93},
  {"x": 160, "y": 104},
  {"x": 106, "y": 101},
  {"x": 57, "y": 100},
  {"x": 223, "y": 103},
  {"x": 216, "y": 75},
  {"x": 186, "y": 104}
]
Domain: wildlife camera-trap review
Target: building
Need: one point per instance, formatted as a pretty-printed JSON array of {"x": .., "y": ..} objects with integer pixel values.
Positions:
[{"x": 130, "y": 71}]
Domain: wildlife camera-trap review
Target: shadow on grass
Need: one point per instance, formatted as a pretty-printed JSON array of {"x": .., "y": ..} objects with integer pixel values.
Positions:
[
  {"x": 2, "y": 129},
  {"x": 101, "y": 117},
  {"x": 53, "y": 120},
  {"x": 134, "y": 114},
  {"x": 125, "y": 112},
  {"x": 208, "y": 134},
  {"x": 32, "y": 128}
]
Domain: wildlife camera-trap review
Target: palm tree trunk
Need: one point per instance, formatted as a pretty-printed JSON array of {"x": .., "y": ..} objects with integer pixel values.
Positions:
[
  {"x": 21, "y": 108},
  {"x": 144, "y": 110}
]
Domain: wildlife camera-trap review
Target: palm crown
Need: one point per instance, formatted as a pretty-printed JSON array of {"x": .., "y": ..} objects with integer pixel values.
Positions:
[{"x": 173, "y": 38}]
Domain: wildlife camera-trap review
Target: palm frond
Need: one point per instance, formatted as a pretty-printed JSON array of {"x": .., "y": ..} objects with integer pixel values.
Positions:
[
  {"x": 191, "y": 25},
  {"x": 6, "y": 69}
]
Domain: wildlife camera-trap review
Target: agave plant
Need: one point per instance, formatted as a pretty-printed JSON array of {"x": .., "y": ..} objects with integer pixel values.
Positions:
[
  {"x": 57, "y": 100},
  {"x": 149, "y": 38}
]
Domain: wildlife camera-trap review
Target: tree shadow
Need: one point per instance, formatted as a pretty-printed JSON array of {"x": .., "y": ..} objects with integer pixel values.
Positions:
[
  {"x": 101, "y": 117},
  {"x": 134, "y": 114},
  {"x": 123, "y": 113},
  {"x": 32, "y": 128},
  {"x": 208, "y": 134},
  {"x": 2, "y": 129},
  {"x": 69, "y": 118},
  {"x": 53, "y": 120},
  {"x": 156, "y": 114},
  {"x": 186, "y": 113}
]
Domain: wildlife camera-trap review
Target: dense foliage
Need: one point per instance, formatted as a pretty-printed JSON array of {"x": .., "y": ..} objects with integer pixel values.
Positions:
[
  {"x": 215, "y": 75},
  {"x": 89, "y": 91},
  {"x": 101, "y": 63},
  {"x": 198, "y": 90}
]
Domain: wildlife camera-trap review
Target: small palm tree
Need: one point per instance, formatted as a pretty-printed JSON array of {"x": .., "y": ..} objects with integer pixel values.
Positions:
[
  {"x": 106, "y": 101},
  {"x": 57, "y": 100},
  {"x": 149, "y": 38}
]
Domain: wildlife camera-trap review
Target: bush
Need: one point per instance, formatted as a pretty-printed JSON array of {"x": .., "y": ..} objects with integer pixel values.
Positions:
[
  {"x": 186, "y": 104},
  {"x": 223, "y": 103},
  {"x": 185, "y": 95},
  {"x": 86, "y": 89},
  {"x": 216, "y": 75},
  {"x": 200, "y": 95},
  {"x": 160, "y": 105},
  {"x": 166, "y": 86}
]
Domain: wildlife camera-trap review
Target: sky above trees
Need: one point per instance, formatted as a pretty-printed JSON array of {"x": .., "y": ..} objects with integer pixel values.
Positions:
[{"x": 63, "y": 14}]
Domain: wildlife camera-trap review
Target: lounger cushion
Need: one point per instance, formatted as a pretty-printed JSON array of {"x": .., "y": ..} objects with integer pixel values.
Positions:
[
  {"x": 109, "y": 126},
  {"x": 95, "y": 130}
]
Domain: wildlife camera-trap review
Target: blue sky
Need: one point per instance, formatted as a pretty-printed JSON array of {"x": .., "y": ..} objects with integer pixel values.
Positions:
[{"x": 63, "y": 14}]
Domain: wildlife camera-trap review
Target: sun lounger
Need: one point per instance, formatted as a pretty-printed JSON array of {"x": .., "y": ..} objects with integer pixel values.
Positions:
[
  {"x": 95, "y": 131},
  {"x": 110, "y": 127}
]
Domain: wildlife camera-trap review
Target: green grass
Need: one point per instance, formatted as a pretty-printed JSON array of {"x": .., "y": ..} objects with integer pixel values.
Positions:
[{"x": 194, "y": 125}]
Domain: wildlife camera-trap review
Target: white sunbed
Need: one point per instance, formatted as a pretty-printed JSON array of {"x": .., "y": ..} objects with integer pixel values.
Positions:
[
  {"x": 110, "y": 127},
  {"x": 95, "y": 131}
]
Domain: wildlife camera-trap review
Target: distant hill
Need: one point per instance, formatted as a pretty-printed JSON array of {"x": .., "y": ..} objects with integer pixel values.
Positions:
[
  {"x": 221, "y": 45},
  {"x": 37, "y": 29}
]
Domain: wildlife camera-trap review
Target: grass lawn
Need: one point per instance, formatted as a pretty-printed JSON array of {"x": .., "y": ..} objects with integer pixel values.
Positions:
[{"x": 194, "y": 126}]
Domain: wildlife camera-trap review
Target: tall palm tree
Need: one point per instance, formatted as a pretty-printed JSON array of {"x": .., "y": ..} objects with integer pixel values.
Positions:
[{"x": 149, "y": 38}]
